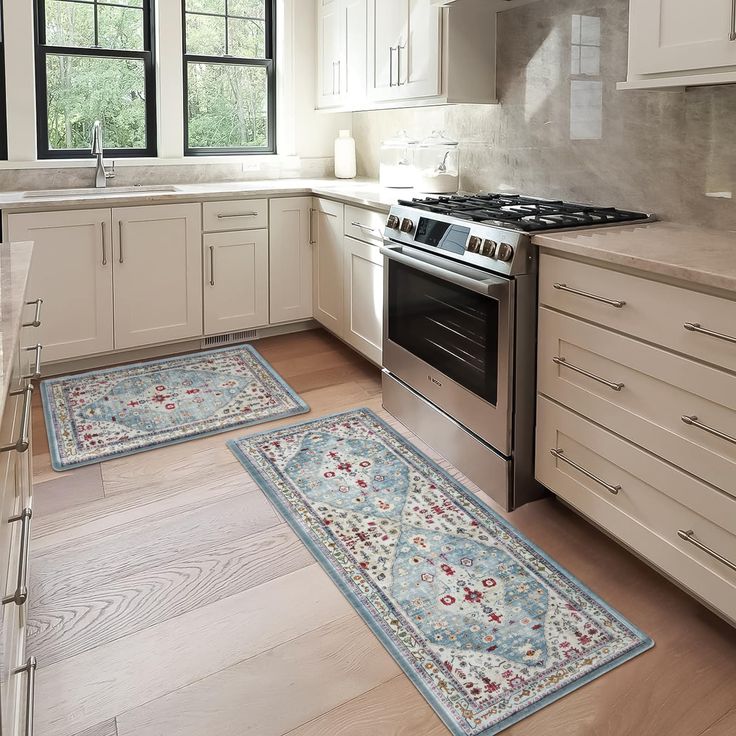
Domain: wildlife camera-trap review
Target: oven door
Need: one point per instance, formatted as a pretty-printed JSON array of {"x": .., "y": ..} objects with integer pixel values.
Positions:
[{"x": 448, "y": 333}]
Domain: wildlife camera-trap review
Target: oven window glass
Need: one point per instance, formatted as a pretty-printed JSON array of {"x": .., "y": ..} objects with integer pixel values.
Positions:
[{"x": 451, "y": 328}]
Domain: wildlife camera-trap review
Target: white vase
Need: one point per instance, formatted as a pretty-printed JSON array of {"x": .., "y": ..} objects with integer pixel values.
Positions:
[{"x": 345, "y": 164}]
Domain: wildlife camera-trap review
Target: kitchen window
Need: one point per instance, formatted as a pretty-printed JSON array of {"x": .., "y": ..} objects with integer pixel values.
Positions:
[
  {"x": 95, "y": 61},
  {"x": 229, "y": 77}
]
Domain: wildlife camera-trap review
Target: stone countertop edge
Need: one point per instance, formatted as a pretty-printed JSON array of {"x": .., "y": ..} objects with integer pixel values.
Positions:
[
  {"x": 687, "y": 254},
  {"x": 360, "y": 192},
  {"x": 15, "y": 265}
]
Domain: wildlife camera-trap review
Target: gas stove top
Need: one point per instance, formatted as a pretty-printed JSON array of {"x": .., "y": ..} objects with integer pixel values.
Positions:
[{"x": 527, "y": 214}]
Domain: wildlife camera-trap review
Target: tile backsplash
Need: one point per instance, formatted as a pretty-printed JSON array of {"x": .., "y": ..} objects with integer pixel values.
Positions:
[{"x": 563, "y": 130}]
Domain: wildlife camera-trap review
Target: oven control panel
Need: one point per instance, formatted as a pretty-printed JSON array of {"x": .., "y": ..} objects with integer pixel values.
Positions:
[{"x": 497, "y": 249}]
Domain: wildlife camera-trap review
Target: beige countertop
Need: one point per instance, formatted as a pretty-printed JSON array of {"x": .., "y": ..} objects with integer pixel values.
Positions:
[
  {"x": 15, "y": 262},
  {"x": 691, "y": 254},
  {"x": 361, "y": 192}
]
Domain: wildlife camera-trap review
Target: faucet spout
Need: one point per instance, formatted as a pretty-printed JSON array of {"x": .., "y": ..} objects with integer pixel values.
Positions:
[{"x": 98, "y": 151}]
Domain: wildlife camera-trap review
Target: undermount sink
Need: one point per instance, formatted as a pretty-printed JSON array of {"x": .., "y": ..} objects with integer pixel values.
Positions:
[{"x": 106, "y": 192}]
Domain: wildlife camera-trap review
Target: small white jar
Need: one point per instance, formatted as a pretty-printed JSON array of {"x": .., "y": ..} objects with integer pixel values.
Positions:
[{"x": 345, "y": 161}]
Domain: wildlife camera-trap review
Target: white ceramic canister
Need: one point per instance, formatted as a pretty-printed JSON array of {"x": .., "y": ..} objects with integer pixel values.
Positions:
[{"x": 345, "y": 163}]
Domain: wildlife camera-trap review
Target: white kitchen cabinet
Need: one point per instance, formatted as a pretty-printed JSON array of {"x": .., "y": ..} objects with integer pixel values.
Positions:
[
  {"x": 404, "y": 46},
  {"x": 72, "y": 269},
  {"x": 157, "y": 274},
  {"x": 290, "y": 276},
  {"x": 328, "y": 264},
  {"x": 680, "y": 42},
  {"x": 341, "y": 40},
  {"x": 364, "y": 298},
  {"x": 236, "y": 281}
]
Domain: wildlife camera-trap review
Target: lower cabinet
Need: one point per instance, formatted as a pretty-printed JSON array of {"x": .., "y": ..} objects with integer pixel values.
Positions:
[
  {"x": 291, "y": 259},
  {"x": 235, "y": 281},
  {"x": 328, "y": 264},
  {"x": 363, "y": 298},
  {"x": 72, "y": 268}
]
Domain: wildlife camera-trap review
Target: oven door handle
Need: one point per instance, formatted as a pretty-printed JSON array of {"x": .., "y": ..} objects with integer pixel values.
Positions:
[{"x": 469, "y": 278}]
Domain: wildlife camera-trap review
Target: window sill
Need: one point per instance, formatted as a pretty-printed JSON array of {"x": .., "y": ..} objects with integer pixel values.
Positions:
[{"x": 249, "y": 162}]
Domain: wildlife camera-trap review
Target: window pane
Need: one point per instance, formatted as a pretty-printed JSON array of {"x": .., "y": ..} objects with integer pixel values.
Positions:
[
  {"x": 120, "y": 28},
  {"x": 228, "y": 106},
  {"x": 247, "y": 38},
  {"x": 70, "y": 24},
  {"x": 82, "y": 89},
  {"x": 205, "y": 35},
  {"x": 247, "y": 8},
  {"x": 206, "y": 6}
]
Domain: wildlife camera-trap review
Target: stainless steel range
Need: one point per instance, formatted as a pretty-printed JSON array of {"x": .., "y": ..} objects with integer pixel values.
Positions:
[{"x": 459, "y": 345}]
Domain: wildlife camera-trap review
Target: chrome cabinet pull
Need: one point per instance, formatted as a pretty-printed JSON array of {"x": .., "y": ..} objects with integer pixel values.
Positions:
[
  {"x": 20, "y": 596},
  {"x": 732, "y": 35},
  {"x": 611, "y": 302},
  {"x": 225, "y": 216},
  {"x": 560, "y": 455},
  {"x": 582, "y": 372},
  {"x": 693, "y": 422},
  {"x": 391, "y": 67},
  {"x": 689, "y": 536},
  {"x": 37, "y": 316},
  {"x": 22, "y": 443},
  {"x": 30, "y": 668},
  {"x": 368, "y": 229},
  {"x": 36, "y": 375},
  {"x": 312, "y": 241},
  {"x": 212, "y": 265},
  {"x": 696, "y": 327},
  {"x": 104, "y": 248},
  {"x": 399, "y": 48},
  {"x": 339, "y": 75},
  {"x": 120, "y": 232}
]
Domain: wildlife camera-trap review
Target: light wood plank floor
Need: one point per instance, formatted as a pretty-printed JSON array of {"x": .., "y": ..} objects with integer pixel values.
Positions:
[{"x": 169, "y": 598}]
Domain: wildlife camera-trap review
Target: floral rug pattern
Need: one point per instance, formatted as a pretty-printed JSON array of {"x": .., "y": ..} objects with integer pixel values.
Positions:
[
  {"x": 109, "y": 413},
  {"x": 487, "y": 627}
]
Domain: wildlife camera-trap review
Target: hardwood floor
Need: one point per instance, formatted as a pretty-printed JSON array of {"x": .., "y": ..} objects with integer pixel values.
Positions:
[{"x": 169, "y": 598}]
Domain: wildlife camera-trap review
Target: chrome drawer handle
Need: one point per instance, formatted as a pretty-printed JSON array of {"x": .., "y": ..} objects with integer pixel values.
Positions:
[
  {"x": 103, "y": 232},
  {"x": 693, "y": 422},
  {"x": 689, "y": 536},
  {"x": 612, "y": 302},
  {"x": 22, "y": 443},
  {"x": 312, "y": 241},
  {"x": 695, "y": 327},
  {"x": 222, "y": 216},
  {"x": 212, "y": 265},
  {"x": 560, "y": 455},
  {"x": 36, "y": 375},
  {"x": 582, "y": 372},
  {"x": 120, "y": 234},
  {"x": 37, "y": 316},
  {"x": 30, "y": 668},
  {"x": 732, "y": 35},
  {"x": 21, "y": 591},
  {"x": 368, "y": 228}
]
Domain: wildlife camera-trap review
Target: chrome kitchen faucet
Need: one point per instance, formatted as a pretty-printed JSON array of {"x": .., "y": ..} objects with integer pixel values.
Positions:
[{"x": 101, "y": 174}]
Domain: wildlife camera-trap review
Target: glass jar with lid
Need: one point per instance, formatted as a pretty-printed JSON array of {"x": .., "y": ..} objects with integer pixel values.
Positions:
[
  {"x": 397, "y": 162},
  {"x": 437, "y": 163}
]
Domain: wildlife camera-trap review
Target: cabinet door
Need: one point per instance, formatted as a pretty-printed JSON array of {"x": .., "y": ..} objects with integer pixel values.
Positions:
[
  {"x": 328, "y": 264},
  {"x": 330, "y": 46},
  {"x": 353, "y": 68},
  {"x": 364, "y": 298},
  {"x": 236, "y": 281},
  {"x": 72, "y": 271},
  {"x": 158, "y": 274},
  {"x": 680, "y": 35},
  {"x": 388, "y": 26},
  {"x": 290, "y": 275}
]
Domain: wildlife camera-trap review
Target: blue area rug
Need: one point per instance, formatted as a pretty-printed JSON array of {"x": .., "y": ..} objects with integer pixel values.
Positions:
[
  {"x": 109, "y": 413},
  {"x": 486, "y": 626}
]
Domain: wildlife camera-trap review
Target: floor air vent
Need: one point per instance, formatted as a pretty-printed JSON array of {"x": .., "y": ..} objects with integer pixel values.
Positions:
[{"x": 229, "y": 339}]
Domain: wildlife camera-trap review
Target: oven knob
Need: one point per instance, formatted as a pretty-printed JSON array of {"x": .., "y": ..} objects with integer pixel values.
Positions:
[
  {"x": 505, "y": 252},
  {"x": 474, "y": 244},
  {"x": 393, "y": 222},
  {"x": 407, "y": 226},
  {"x": 489, "y": 248}
]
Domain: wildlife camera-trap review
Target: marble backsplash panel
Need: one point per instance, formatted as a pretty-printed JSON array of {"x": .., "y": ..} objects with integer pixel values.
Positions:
[{"x": 562, "y": 129}]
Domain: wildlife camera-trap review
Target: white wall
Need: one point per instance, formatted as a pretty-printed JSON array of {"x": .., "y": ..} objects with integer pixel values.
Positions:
[{"x": 301, "y": 132}]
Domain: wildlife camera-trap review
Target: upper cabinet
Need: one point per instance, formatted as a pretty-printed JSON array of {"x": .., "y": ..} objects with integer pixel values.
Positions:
[
  {"x": 402, "y": 53},
  {"x": 678, "y": 43}
]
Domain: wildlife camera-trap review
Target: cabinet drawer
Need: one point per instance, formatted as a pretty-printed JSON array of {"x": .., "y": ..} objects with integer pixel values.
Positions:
[
  {"x": 646, "y": 309},
  {"x": 642, "y": 501},
  {"x": 235, "y": 214},
  {"x": 365, "y": 225},
  {"x": 642, "y": 393}
]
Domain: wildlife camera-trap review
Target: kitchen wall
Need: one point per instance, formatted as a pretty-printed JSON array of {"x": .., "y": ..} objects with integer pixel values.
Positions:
[{"x": 562, "y": 129}]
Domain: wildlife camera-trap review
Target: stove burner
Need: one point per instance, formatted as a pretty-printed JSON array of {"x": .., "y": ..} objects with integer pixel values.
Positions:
[{"x": 527, "y": 214}]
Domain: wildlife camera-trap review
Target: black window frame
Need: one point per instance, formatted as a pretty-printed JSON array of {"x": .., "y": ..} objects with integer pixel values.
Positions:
[
  {"x": 268, "y": 63},
  {"x": 148, "y": 56},
  {"x": 3, "y": 95}
]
